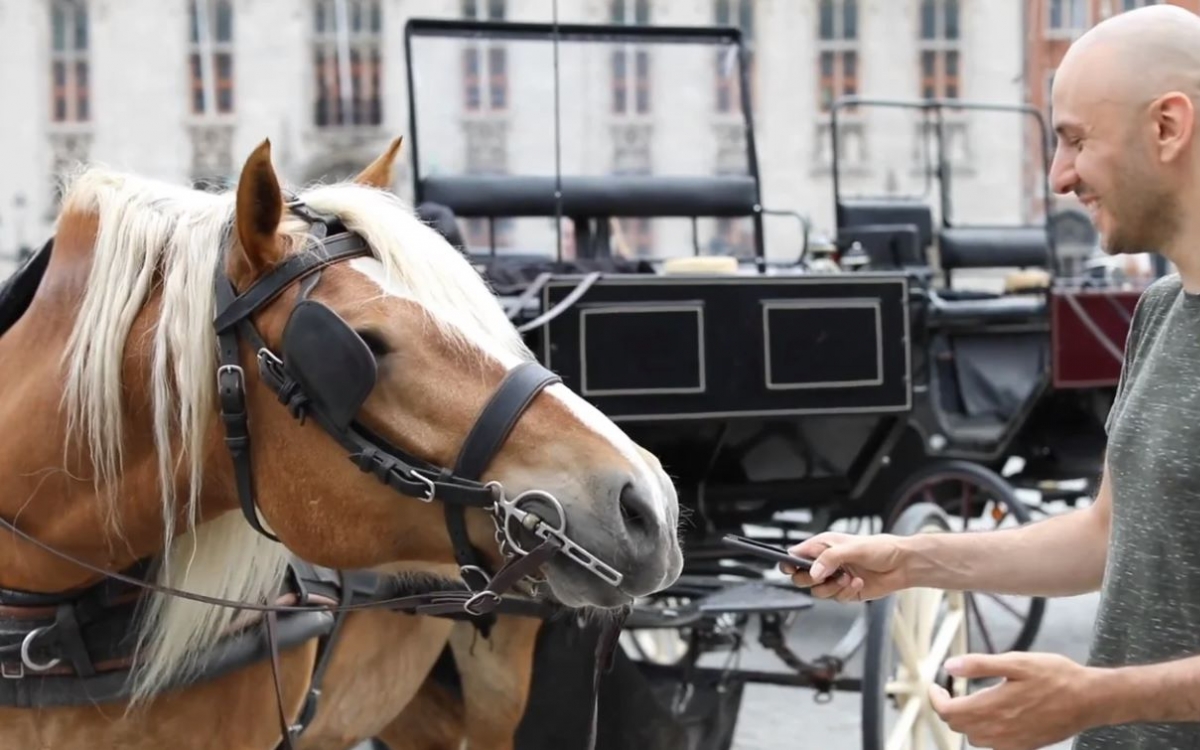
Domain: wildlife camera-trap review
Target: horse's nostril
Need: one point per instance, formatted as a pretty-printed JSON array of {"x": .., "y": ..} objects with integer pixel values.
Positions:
[{"x": 635, "y": 510}]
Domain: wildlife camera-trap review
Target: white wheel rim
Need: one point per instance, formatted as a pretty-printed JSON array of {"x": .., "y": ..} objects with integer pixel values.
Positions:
[{"x": 928, "y": 626}]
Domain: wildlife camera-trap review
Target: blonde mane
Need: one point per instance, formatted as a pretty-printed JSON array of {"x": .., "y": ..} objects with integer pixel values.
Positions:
[{"x": 159, "y": 237}]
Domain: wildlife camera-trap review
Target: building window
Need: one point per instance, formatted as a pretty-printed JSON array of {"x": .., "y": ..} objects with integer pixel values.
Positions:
[
  {"x": 348, "y": 63},
  {"x": 630, "y": 73},
  {"x": 71, "y": 93},
  {"x": 739, "y": 13},
  {"x": 938, "y": 49},
  {"x": 210, "y": 45},
  {"x": 837, "y": 51},
  {"x": 485, "y": 67},
  {"x": 478, "y": 234},
  {"x": 1069, "y": 16},
  {"x": 1131, "y": 4}
]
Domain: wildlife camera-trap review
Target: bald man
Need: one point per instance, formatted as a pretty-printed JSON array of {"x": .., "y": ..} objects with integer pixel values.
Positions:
[{"x": 1126, "y": 117}]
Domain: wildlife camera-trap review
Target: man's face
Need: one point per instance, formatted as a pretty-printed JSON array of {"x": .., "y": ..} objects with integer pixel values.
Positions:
[{"x": 1105, "y": 157}]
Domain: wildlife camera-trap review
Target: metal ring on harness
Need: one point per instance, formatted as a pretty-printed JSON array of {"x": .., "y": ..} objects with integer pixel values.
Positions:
[
  {"x": 510, "y": 510},
  {"x": 27, "y": 660}
]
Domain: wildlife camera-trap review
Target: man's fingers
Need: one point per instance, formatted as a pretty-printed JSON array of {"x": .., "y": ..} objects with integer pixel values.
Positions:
[
  {"x": 940, "y": 700},
  {"x": 827, "y": 563},
  {"x": 814, "y": 546},
  {"x": 976, "y": 666},
  {"x": 851, "y": 590},
  {"x": 834, "y": 588}
]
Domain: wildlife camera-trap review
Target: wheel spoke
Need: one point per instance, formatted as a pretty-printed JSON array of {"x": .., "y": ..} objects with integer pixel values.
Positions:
[
  {"x": 945, "y": 737},
  {"x": 983, "y": 628},
  {"x": 1004, "y": 605},
  {"x": 940, "y": 647},
  {"x": 905, "y": 722},
  {"x": 905, "y": 644}
]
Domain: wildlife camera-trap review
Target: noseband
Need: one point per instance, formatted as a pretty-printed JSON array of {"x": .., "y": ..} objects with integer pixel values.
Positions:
[{"x": 326, "y": 373}]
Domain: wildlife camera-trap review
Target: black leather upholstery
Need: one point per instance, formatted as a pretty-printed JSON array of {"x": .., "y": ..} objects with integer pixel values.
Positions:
[
  {"x": 863, "y": 213},
  {"x": 993, "y": 310},
  {"x": 531, "y": 195},
  {"x": 888, "y": 246},
  {"x": 993, "y": 247}
]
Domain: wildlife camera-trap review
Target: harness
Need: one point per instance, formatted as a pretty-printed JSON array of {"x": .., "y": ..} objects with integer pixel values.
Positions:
[{"x": 72, "y": 648}]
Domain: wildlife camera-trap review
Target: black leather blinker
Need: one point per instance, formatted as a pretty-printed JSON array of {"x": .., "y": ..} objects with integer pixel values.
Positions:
[{"x": 329, "y": 361}]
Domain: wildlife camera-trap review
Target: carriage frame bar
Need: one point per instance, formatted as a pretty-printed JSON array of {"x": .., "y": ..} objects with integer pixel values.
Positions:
[
  {"x": 942, "y": 169},
  {"x": 575, "y": 32}
]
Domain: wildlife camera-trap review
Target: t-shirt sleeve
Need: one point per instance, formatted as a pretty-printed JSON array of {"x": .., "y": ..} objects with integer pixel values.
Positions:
[{"x": 1132, "y": 338}]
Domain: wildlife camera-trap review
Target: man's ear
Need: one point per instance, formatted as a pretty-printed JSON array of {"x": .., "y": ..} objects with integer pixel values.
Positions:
[
  {"x": 259, "y": 211},
  {"x": 1175, "y": 121},
  {"x": 379, "y": 173}
]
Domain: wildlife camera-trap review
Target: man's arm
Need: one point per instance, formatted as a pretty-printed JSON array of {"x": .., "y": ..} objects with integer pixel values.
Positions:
[
  {"x": 1031, "y": 560},
  {"x": 1164, "y": 692}
]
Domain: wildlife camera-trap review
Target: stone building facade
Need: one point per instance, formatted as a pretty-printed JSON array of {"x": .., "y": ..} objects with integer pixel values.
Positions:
[{"x": 183, "y": 89}]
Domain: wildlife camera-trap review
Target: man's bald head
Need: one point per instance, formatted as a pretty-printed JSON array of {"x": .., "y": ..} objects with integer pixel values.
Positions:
[
  {"x": 1139, "y": 55},
  {"x": 1124, "y": 109}
]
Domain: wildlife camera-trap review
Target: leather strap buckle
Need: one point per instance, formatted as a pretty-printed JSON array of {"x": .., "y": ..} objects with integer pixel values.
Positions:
[
  {"x": 27, "y": 660},
  {"x": 482, "y": 603}
]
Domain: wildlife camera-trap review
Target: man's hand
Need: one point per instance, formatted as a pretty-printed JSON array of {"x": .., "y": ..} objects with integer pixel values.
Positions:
[
  {"x": 1044, "y": 699},
  {"x": 848, "y": 567}
]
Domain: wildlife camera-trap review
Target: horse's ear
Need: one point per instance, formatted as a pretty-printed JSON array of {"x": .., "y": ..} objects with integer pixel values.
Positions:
[
  {"x": 379, "y": 173},
  {"x": 259, "y": 211}
]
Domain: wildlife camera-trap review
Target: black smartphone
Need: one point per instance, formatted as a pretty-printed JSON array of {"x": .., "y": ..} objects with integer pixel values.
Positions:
[{"x": 766, "y": 551}]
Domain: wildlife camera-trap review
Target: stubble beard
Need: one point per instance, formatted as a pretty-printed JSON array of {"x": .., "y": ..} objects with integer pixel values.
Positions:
[{"x": 1144, "y": 214}]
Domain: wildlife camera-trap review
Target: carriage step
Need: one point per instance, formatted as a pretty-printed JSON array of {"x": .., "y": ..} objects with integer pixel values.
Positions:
[{"x": 755, "y": 598}]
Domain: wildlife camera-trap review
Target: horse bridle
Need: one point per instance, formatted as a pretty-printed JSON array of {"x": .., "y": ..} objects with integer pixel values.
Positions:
[
  {"x": 311, "y": 386},
  {"x": 330, "y": 387}
]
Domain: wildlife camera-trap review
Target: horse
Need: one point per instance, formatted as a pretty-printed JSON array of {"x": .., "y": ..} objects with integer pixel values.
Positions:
[{"x": 186, "y": 376}]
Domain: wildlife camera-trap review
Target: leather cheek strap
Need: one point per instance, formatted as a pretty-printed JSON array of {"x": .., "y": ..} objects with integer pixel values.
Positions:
[{"x": 495, "y": 422}]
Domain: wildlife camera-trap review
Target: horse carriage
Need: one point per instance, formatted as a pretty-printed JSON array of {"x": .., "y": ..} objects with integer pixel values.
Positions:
[
  {"x": 785, "y": 399},
  {"x": 198, "y": 368}
]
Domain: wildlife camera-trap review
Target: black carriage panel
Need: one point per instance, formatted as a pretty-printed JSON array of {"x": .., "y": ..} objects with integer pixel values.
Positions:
[
  {"x": 662, "y": 347},
  {"x": 819, "y": 343}
]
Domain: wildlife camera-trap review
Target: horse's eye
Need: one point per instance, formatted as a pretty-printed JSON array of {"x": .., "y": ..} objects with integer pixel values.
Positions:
[{"x": 375, "y": 343}]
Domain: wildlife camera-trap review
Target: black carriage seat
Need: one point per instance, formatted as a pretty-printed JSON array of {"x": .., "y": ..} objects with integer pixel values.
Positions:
[
  {"x": 444, "y": 222},
  {"x": 593, "y": 196},
  {"x": 17, "y": 291},
  {"x": 991, "y": 310},
  {"x": 993, "y": 247},
  {"x": 871, "y": 214},
  {"x": 990, "y": 247}
]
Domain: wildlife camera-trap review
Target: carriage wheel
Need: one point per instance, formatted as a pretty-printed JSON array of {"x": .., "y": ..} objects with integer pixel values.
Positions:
[
  {"x": 979, "y": 499},
  {"x": 909, "y": 635},
  {"x": 664, "y": 646}
]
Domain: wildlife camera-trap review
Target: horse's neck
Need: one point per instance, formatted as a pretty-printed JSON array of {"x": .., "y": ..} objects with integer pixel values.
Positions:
[{"x": 47, "y": 489}]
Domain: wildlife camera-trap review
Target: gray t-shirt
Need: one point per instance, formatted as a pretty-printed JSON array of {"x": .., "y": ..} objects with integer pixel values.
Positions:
[{"x": 1150, "y": 601}]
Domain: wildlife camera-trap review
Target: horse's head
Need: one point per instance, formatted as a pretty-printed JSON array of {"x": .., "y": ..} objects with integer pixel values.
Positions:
[{"x": 397, "y": 354}]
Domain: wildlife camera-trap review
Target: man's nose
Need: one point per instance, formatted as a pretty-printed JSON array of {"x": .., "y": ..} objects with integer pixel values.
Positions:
[{"x": 1062, "y": 173}]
